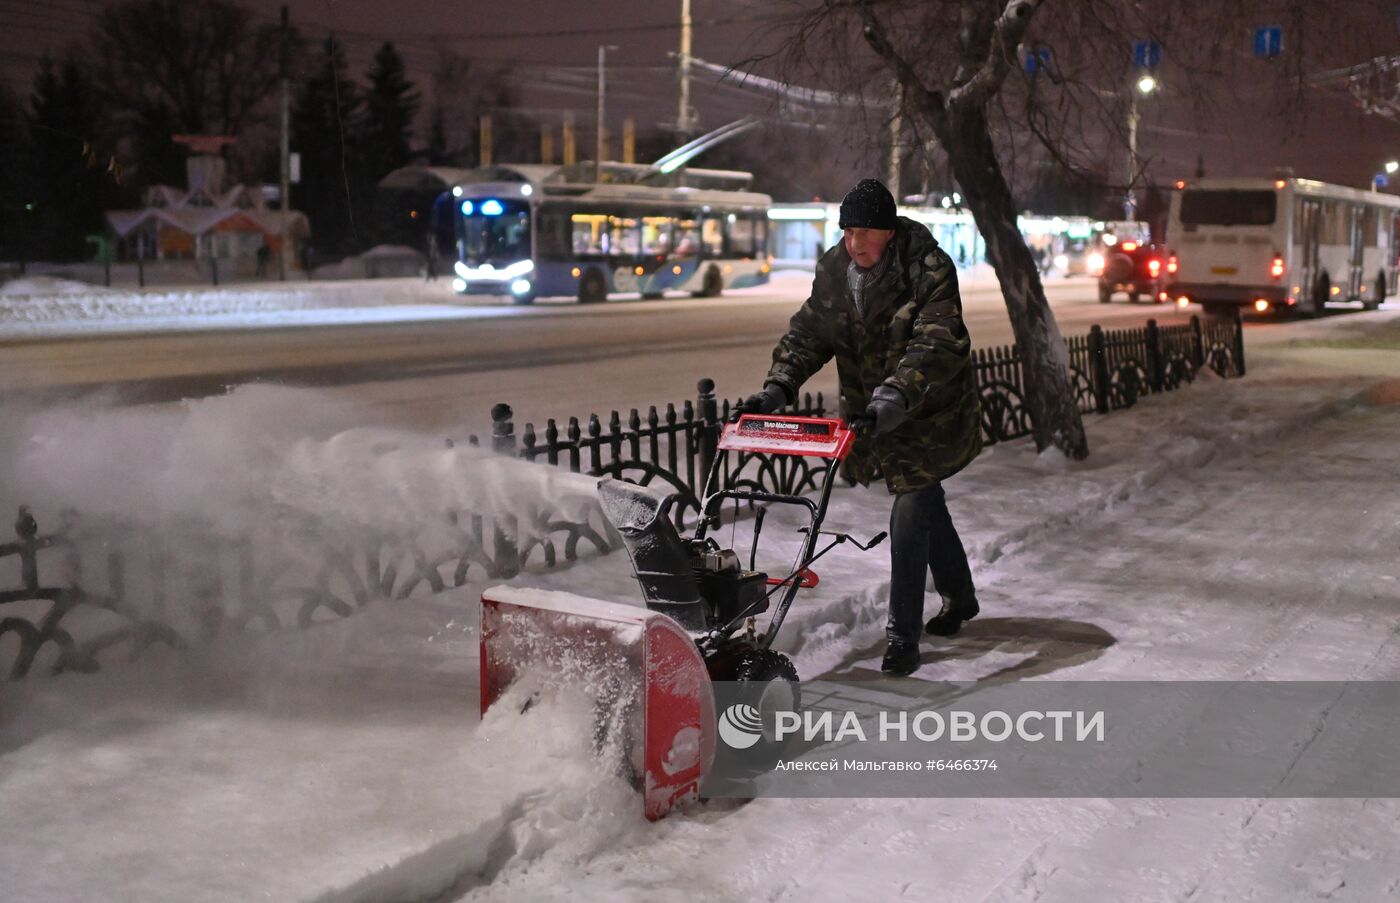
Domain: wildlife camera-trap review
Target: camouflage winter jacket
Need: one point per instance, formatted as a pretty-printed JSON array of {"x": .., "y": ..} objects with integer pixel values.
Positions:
[{"x": 912, "y": 338}]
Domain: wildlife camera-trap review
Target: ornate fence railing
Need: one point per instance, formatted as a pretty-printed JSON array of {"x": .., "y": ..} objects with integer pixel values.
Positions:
[{"x": 130, "y": 590}]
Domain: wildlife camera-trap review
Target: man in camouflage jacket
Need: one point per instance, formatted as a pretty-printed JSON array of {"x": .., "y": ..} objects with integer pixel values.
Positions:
[{"x": 885, "y": 304}]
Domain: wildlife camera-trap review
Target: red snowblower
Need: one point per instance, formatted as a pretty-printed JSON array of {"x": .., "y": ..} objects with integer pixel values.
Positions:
[{"x": 649, "y": 671}]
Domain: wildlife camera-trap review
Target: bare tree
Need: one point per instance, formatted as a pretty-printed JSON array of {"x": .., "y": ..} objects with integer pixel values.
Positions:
[
  {"x": 955, "y": 70},
  {"x": 169, "y": 67}
]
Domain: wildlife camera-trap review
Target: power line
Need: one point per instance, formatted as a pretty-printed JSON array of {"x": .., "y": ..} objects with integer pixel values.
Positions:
[{"x": 438, "y": 37}]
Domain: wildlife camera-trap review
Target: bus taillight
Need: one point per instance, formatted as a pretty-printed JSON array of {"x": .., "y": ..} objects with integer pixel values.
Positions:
[
  {"x": 1276, "y": 268},
  {"x": 1171, "y": 264},
  {"x": 1154, "y": 267}
]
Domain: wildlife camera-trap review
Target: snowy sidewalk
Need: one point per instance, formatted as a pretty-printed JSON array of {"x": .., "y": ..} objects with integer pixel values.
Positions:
[{"x": 1234, "y": 530}]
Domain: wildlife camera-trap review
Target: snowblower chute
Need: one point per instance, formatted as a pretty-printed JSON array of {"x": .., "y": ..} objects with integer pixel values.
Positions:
[{"x": 652, "y": 668}]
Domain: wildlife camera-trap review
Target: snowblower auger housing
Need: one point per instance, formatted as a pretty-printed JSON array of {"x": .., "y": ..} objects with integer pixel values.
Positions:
[{"x": 692, "y": 589}]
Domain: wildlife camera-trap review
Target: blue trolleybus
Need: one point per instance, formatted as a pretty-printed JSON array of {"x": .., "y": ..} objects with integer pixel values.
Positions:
[{"x": 532, "y": 231}]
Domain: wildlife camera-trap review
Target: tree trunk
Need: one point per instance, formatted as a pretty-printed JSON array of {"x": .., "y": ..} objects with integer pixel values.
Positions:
[{"x": 1050, "y": 395}]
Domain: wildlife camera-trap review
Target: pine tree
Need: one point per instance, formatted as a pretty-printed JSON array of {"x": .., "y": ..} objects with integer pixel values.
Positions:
[
  {"x": 325, "y": 123},
  {"x": 11, "y": 178},
  {"x": 65, "y": 173},
  {"x": 390, "y": 105}
]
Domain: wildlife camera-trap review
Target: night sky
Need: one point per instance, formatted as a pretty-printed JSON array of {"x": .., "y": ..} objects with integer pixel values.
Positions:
[{"x": 553, "y": 45}]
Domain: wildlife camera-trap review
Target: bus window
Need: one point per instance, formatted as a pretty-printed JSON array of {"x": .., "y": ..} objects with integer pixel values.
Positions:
[
  {"x": 1202, "y": 207},
  {"x": 590, "y": 237},
  {"x": 1369, "y": 227},
  {"x": 626, "y": 239},
  {"x": 656, "y": 235},
  {"x": 761, "y": 234},
  {"x": 505, "y": 236},
  {"x": 687, "y": 238},
  {"x": 741, "y": 236},
  {"x": 1334, "y": 224},
  {"x": 712, "y": 237},
  {"x": 553, "y": 236}
]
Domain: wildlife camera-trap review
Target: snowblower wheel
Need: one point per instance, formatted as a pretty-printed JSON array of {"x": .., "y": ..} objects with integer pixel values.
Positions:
[{"x": 772, "y": 687}]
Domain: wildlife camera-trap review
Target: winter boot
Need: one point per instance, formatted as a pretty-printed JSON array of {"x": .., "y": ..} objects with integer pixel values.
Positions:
[
  {"x": 950, "y": 620},
  {"x": 901, "y": 658}
]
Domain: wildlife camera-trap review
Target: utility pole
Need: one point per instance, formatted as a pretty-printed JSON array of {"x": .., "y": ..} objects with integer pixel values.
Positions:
[
  {"x": 484, "y": 156},
  {"x": 546, "y": 144},
  {"x": 570, "y": 141},
  {"x": 629, "y": 140},
  {"x": 601, "y": 146},
  {"x": 1144, "y": 86},
  {"x": 683, "y": 123},
  {"x": 284, "y": 151}
]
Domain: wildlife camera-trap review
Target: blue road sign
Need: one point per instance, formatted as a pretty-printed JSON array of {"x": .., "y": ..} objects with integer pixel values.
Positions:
[
  {"x": 1147, "y": 54},
  {"x": 1268, "y": 41},
  {"x": 1038, "y": 58},
  {"x": 1380, "y": 180}
]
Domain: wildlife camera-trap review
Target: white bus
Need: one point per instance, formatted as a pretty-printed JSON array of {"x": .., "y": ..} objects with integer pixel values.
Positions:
[
  {"x": 1281, "y": 244},
  {"x": 531, "y": 231}
]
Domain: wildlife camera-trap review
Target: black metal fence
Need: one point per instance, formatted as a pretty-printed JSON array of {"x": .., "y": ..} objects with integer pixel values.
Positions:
[
  {"x": 201, "y": 584},
  {"x": 1110, "y": 370}
]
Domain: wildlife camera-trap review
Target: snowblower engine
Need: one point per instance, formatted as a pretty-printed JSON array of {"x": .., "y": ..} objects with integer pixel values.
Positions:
[{"x": 728, "y": 590}]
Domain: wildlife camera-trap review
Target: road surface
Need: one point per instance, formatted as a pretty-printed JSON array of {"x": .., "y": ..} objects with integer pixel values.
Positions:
[{"x": 551, "y": 360}]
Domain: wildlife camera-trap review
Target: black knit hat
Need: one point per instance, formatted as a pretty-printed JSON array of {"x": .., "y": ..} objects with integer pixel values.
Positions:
[{"x": 868, "y": 206}]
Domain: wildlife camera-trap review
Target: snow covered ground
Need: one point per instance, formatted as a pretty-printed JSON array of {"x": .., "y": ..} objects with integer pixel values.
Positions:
[{"x": 1235, "y": 530}]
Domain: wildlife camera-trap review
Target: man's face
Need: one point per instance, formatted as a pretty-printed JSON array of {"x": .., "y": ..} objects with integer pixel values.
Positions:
[{"x": 867, "y": 246}]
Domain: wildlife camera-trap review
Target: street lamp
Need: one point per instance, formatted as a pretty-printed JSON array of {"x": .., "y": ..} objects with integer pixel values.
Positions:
[{"x": 1146, "y": 84}]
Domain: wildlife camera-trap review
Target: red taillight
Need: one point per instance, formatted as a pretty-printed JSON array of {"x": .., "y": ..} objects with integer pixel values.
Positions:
[
  {"x": 1129, "y": 246},
  {"x": 1276, "y": 268},
  {"x": 1171, "y": 264},
  {"x": 1154, "y": 266}
]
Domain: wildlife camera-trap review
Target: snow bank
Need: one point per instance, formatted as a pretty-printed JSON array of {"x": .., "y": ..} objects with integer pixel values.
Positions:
[
  {"x": 44, "y": 306},
  {"x": 48, "y": 285}
]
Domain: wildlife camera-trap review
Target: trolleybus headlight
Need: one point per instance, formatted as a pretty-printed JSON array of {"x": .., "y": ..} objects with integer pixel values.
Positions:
[
  {"x": 1095, "y": 263},
  {"x": 520, "y": 287},
  {"x": 1183, "y": 301},
  {"x": 1261, "y": 305},
  {"x": 1061, "y": 261},
  {"x": 459, "y": 285}
]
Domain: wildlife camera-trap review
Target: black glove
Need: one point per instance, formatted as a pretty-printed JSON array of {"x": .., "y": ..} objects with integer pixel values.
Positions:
[
  {"x": 769, "y": 400},
  {"x": 887, "y": 410}
]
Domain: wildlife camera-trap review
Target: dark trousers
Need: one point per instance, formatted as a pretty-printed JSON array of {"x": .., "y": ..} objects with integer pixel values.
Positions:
[{"x": 923, "y": 539}]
